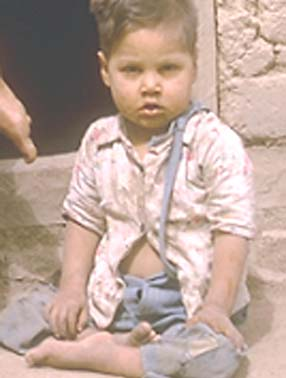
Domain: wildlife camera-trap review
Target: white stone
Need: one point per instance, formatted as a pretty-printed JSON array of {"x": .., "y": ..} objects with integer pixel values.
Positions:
[
  {"x": 256, "y": 106},
  {"x": 270, "y": 176},
  {"x": 238, "y": 5},
  {"x": 256, "y": 60},
  {"x": 272, "y": 5},
  {"x": 236, "y": 32},
  {"x": 270, "y": 184},
  {"x": 273, "y": 24},
  {"x": 268, "y": 247}
]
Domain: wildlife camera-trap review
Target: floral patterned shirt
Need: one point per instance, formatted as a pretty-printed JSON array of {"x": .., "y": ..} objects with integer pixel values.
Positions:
[{"x": 118, "y": 196}]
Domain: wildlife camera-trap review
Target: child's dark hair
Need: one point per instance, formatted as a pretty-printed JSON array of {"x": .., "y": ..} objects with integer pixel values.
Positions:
[{"x": 117, "y": 17}]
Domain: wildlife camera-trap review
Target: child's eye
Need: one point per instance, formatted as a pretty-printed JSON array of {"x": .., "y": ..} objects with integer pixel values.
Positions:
[
  {"x": 131, "y": 69},
  {"x": 169, "y": 68}
]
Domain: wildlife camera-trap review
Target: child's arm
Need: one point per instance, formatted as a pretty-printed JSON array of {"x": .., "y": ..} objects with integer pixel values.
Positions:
[
  {"x": 230, "y": 254},
  {"x": 67, "y": 313}
]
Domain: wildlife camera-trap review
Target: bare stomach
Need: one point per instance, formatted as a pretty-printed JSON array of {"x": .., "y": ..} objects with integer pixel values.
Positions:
[{"x": 142, "y": 261}]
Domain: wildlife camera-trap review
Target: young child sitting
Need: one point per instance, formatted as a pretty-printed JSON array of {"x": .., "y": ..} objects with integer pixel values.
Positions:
[{"x": 159, "y": 211}]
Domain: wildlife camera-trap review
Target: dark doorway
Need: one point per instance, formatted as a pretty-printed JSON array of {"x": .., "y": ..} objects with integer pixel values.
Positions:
[{"x": 48, "y": 56}]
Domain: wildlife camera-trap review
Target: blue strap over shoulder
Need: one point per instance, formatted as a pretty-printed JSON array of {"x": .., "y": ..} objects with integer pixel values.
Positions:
[{"x": 170, "y": 177}]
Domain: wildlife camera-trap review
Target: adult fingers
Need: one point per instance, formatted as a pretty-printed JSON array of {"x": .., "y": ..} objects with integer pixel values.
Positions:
[
  {"x": 27, "y": 148},
  {"x": 20, "y": 136}
]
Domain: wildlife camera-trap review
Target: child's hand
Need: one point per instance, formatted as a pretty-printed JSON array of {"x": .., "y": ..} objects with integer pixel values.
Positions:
[
  {"x": 218, "y": 320},
  {"x": 67, "y": 314},
  {"x": 15, "y": 122}
]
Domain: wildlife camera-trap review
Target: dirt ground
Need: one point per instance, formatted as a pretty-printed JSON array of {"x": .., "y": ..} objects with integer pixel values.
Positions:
[{"x": 265, "y": 331}]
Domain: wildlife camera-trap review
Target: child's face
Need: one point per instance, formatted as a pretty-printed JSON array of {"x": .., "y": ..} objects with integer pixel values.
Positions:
[{"x": 150, "y": 73}]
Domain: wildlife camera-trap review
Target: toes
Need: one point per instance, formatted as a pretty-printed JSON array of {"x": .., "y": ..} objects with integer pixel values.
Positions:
[
  {"x": 31, "y": 359},
  {"x": 142, "y": 334},
  {"x": 154, "y": 336},
  {"x": 39, "y": 355}
]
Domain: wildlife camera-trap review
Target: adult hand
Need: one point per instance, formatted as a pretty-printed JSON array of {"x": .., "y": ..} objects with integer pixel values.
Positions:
[
  {"x": 15, "y": 122},
  {"x": 67, "y": 314},
  {"x": 219, "y": 321}
]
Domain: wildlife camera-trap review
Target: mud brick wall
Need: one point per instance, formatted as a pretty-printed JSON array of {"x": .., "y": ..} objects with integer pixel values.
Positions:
[{"x": 252, "y": 88}]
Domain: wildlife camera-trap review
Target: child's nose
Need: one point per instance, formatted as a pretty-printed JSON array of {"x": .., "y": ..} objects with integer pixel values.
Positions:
[{"x": 151, "y": 83}]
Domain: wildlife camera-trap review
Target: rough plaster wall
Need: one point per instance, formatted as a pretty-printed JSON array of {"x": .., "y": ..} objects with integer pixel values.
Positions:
[{"x": 252, "y": 89}]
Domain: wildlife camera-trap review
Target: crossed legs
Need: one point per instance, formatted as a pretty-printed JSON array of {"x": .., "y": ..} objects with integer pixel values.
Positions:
[{"x": 119, "y": 354}]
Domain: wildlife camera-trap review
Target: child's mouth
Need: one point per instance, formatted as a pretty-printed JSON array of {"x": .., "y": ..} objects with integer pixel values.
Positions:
[{"x": 151, "y": 109}]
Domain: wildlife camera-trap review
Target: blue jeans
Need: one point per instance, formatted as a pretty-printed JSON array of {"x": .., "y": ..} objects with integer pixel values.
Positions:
[{"x": 181, "y": 352}]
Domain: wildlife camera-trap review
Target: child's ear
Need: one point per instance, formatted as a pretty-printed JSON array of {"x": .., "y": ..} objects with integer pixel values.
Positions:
[{"x": 103, "y": 63}]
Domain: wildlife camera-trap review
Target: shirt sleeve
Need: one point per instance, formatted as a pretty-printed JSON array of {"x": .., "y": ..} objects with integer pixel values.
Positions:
[
  {"x": 228, "y": 176},
  {"x": 83, "y": 203}
]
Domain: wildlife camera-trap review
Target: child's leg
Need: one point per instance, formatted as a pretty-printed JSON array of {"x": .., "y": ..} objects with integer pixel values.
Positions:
[
  {"x": 98, "y": 352},
  {"x": 190, "y": 352}
]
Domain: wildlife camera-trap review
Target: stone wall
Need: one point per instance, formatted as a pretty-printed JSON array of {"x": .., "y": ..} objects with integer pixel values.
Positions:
[{"x": 252, "y": 88}]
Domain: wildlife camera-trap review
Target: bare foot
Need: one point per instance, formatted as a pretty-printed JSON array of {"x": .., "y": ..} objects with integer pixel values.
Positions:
[
  {"x": 64, "y": 353},
  {"x": 98, "y": 352}
]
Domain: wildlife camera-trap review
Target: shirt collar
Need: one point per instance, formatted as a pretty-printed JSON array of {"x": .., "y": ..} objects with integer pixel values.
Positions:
[
  {"x": 114, "y": 130},
  {"x": 108, "y": 131},
  {"x": 113, "y": 127}
]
